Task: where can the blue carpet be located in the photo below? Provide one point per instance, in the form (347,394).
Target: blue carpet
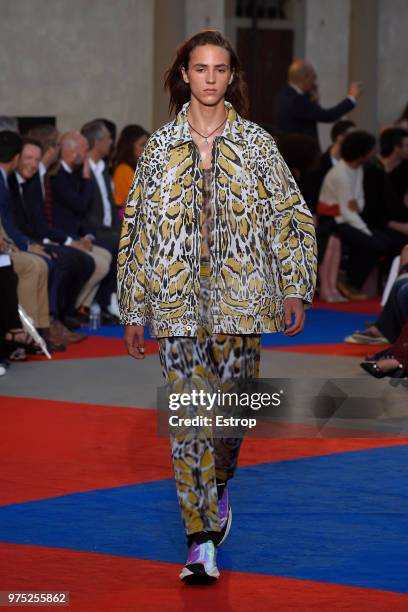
(322,327)
(341,519)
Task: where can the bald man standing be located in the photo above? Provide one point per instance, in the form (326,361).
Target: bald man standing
(298,110)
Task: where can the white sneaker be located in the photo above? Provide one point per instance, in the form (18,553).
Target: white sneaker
(200,567)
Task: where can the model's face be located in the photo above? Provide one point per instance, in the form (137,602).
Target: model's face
(208,74)
(29,161)
(138,146)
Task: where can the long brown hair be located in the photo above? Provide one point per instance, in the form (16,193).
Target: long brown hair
(124,149)
(236,93)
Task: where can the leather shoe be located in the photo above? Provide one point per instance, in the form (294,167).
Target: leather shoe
(62,335)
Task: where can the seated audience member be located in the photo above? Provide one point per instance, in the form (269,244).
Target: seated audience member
(342,197)
(329,244)
(102,219)
(66,274)
(131,143)
(112,129)
(313,180)
(32,271)
(41,184)
(72,190)
(32,287)
(300,152)
(50,140)
(14,341)
(389,324)
(392,362)
(386,187)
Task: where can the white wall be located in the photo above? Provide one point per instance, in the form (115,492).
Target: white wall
(327,47)
(392,59)
(77,60)
(204,15)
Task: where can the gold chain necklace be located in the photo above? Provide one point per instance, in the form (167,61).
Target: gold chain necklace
(205,138)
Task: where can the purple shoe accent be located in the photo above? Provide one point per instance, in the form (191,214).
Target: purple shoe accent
(194,554)
(225,513)
(223,508)
(201,564)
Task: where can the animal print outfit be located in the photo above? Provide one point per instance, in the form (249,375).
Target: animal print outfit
(207,362)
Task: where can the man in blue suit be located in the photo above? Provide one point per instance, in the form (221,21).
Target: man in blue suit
(22,218)
(298,109)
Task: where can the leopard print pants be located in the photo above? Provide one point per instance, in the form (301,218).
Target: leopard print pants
(208,362)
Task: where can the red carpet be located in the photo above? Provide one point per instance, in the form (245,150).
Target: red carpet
(50,448)
(371,306)
(336,350)
(96,346)
(104,583)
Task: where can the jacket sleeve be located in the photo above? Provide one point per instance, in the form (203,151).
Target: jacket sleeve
(131,257)
(290,228)
(43,230)
(303,108)
(341,188)
(9,222)
(75,200)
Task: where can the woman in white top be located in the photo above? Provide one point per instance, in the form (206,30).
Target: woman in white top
(342,198)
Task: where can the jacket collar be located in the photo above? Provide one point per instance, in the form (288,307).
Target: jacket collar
(233,129)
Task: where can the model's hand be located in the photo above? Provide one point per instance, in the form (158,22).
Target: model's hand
(355,89)
(294,316)
(134,340)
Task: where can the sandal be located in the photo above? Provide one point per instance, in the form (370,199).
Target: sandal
(27,343)
(374,370)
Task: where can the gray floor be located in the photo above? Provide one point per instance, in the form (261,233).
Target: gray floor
(121,381)
(362,402)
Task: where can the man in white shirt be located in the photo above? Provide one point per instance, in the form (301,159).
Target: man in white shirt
(102,218)
(342,197)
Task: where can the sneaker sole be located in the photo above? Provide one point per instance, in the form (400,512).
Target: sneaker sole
(229,523)
(199,575)
(365,340)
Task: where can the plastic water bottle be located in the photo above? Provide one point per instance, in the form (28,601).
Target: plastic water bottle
(94,316)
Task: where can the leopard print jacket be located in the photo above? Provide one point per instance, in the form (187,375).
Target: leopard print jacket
(264,247)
